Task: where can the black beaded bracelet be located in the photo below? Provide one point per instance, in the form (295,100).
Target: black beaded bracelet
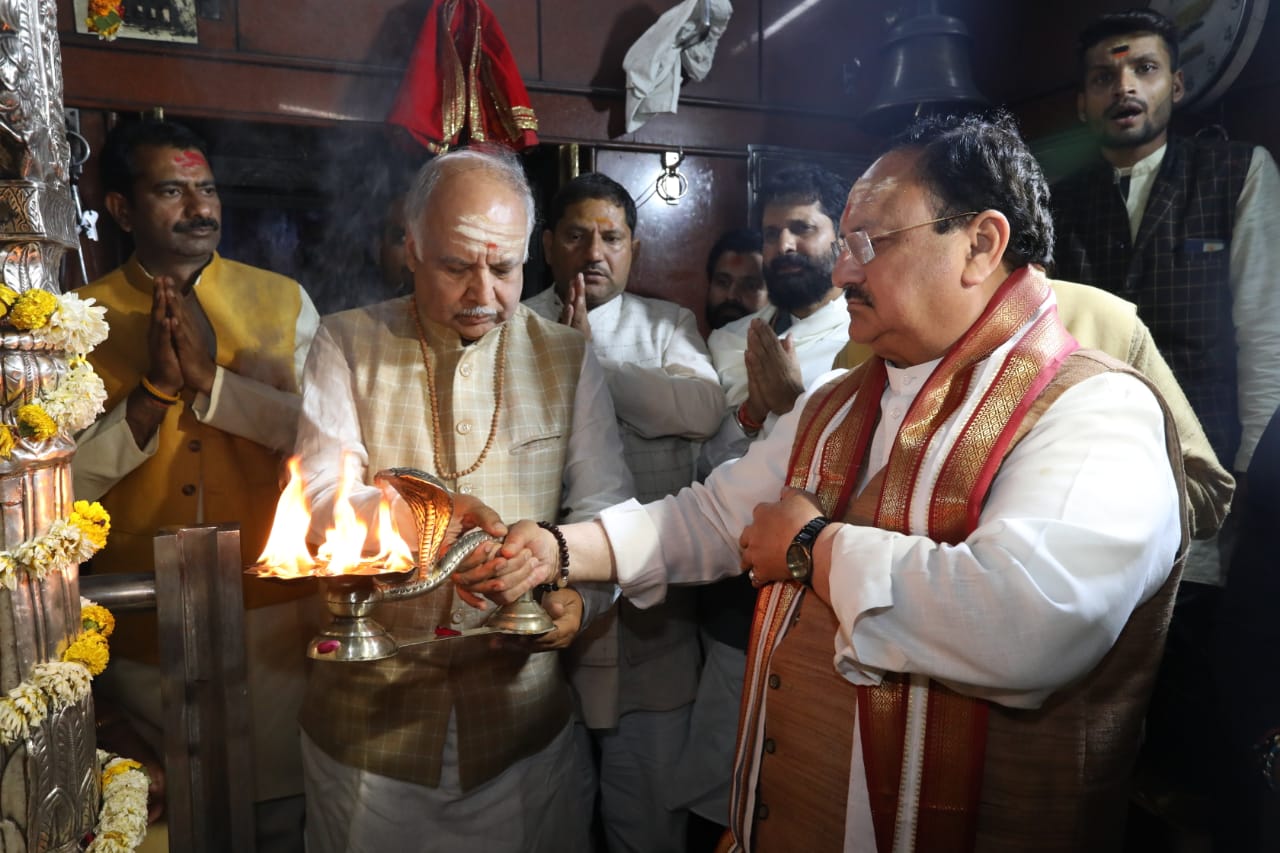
(563,580)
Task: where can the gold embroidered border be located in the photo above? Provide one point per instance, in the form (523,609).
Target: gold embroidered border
(949,515)
(475,120)
(453,92)
(945,390)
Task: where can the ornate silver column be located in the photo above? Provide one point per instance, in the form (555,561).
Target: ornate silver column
(48,779)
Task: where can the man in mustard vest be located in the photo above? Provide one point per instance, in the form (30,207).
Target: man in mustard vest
(966,548)
(202,371)
(456,745)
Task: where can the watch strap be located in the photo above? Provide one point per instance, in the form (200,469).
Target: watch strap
(809,533)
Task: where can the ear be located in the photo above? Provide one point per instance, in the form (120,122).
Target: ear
(1179,86)
(635,251)
(1080,107)
(410,251)
(118,206)
(547,237)
(988,239)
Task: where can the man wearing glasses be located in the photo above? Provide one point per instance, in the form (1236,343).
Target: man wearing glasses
(966,548)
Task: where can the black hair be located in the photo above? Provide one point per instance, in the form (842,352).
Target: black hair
(976,163)
(738,240)
(119,152)
(806,184)
(592,185)
(1128,22)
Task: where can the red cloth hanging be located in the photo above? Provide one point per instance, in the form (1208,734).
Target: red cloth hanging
(463,79)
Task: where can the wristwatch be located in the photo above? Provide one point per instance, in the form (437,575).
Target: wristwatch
(800,551)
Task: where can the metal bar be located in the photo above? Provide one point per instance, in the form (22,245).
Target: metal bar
(205,694)
(121,592)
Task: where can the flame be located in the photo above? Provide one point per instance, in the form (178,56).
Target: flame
(286,554)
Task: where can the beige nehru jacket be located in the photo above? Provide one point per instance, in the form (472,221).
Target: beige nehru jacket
(390,716)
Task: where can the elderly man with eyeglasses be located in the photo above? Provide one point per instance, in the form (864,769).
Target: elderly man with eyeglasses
(966,548)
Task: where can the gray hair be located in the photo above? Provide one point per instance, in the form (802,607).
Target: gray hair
(497,162)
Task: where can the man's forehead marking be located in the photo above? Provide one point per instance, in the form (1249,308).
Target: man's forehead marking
(494,236)
(870,191)
(1119,50)
(189,159)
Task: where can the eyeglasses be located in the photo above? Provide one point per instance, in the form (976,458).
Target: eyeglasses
(859,246)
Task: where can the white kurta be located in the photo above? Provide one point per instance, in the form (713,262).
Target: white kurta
(664,388)
(361,810)
(637,674)
(1081,525)
(818,339)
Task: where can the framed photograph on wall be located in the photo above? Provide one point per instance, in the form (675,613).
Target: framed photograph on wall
(156,20)
(763,161)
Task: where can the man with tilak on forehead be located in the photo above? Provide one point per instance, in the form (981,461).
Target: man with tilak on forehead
(965,549)
(446,746)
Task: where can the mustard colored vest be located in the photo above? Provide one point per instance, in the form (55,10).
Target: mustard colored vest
(254,315)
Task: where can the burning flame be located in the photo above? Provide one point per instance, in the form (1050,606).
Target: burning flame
(286,554)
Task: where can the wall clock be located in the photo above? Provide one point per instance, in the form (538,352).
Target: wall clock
(1216,40)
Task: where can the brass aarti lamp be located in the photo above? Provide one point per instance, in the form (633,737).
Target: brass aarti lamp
(353,634)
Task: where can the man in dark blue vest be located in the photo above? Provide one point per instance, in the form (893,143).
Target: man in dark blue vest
(1189,230)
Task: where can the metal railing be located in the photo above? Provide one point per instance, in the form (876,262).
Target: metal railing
(196,593)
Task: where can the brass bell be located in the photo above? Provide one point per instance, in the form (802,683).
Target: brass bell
(926,65)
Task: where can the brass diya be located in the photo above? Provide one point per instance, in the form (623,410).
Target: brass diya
(354,635)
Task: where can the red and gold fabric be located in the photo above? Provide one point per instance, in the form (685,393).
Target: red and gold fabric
(922,744)
(462,83)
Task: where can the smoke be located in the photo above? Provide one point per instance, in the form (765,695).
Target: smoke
(308,203)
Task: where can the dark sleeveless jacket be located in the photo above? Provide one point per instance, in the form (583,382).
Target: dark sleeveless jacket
(1177,271)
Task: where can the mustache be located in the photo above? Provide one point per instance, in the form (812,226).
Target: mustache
(726,312)
(189,225)
(854,293)
(803,262)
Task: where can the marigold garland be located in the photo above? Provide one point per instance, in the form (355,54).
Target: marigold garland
(95,617)
(34,422)
(55,685)
(72,406)
(75,326)
(94,523)
(63,321)
(8,296)
(122,823)
(90,649)
(33,309)
(65,544)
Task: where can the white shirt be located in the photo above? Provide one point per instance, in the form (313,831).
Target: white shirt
(818,339)
(664,389)
(1080,526)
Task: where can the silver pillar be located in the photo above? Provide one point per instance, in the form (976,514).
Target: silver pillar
(49,781)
